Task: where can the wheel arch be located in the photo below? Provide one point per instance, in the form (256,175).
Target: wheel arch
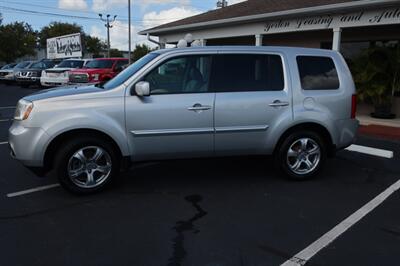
(311,126)
(52,147)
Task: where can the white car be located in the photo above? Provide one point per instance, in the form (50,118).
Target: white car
(59,75)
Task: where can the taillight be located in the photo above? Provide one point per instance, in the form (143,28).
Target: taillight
(353,106)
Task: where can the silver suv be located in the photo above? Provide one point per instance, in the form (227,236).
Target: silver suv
(296,104)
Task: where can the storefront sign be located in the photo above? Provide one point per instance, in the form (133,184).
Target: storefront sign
(64,46)
(358,19)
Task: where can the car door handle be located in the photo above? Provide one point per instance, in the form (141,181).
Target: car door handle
(278,103)
(199,107)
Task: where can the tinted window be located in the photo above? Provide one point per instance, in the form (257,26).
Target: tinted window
(38,65)
(250,72)
(48,64)
(71,64)
(317,73)
(22,64)
(188,74)
(100,64)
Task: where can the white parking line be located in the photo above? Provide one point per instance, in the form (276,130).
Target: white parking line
(31,190)
(370,151)
(7,107)
(5,120)
(3,143)
(306,254)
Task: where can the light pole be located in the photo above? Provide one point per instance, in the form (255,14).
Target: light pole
(108,26)
(129,31)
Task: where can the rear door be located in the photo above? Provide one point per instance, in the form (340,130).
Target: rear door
(251,97)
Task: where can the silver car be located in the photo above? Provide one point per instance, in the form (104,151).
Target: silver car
(294,103)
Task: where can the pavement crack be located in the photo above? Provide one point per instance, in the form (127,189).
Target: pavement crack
(179,252)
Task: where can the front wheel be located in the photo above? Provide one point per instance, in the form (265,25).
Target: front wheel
(301,155)
(86,165)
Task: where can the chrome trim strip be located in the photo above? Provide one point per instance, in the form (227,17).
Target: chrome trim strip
(170,132)
(241,129)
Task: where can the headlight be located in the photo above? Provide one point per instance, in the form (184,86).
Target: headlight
(95,77)
(66,74)
(23,110)
(43,73)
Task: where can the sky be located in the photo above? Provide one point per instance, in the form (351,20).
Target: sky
(144,14)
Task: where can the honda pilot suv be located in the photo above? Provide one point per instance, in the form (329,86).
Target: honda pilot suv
(296,104)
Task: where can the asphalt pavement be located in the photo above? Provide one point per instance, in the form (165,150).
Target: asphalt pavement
(203,212)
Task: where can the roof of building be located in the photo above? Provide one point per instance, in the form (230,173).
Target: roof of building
(251,8)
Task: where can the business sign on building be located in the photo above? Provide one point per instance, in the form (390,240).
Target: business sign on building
(64,46)
(356,19)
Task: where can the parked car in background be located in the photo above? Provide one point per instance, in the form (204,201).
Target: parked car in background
(10,77)
(31,75)
(98,70)
(59,75)
(6,72)
(296,104)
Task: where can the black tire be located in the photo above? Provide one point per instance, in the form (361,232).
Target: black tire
(64,154)
(283,161)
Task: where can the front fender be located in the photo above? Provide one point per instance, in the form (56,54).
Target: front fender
(100,123)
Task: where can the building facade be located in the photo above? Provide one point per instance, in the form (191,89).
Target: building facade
(344,25)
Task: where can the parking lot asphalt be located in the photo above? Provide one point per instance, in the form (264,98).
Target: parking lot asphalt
(211,212)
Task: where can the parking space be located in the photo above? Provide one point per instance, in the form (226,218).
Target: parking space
(214,212)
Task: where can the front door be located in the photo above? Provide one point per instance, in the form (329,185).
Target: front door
(176,120)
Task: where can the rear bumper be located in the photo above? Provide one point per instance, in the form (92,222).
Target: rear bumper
(347,129)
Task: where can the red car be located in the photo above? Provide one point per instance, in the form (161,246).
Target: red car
(98,70)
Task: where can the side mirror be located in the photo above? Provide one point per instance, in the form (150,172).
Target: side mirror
(142,88)
(118,69)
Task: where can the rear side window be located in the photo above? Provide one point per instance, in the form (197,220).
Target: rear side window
(247,72)
(317,73)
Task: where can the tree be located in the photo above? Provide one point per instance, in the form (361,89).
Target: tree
(55,29)
(94,45)
(140,51)
(17,40)
(116,53)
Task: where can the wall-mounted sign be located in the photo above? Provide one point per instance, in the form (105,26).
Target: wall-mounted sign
(358,19)
(64,46)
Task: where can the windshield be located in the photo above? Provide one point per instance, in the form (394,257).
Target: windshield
(130,71)
(100,64)
(22,65)
(37,65)
(71,64)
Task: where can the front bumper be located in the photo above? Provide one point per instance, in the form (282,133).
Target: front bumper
(50,82)
(27,145)
(28,80)
(7,78)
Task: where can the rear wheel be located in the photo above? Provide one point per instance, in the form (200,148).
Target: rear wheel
(86,165)
(301,155)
